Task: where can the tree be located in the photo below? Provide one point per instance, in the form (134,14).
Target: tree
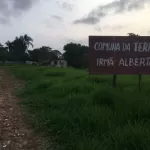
(57,53)
(18,50)
(45,49)
(1,45)
(43,54)
(19,47)
(28,40)
(76,55)
(9,46)
(3,53)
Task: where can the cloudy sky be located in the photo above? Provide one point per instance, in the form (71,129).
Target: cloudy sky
(56,22)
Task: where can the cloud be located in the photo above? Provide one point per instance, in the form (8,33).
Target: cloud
(87,20)
(82,41)
(91,19)
(113,27)
(109,27)
(57,17)
(13,8)
(4,21)
(97,28)
(22,5)
(115,7)
(4,11)
(66,4)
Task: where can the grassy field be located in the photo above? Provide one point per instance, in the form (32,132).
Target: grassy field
(82,112)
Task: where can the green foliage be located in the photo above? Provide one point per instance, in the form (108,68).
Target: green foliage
(44,53)
(54,74)
(84,112)
(18,48)
(3,53)
(76,55)
(129,137)
(104,97)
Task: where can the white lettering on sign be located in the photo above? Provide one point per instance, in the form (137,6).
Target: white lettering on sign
(142,62)
(141,47)
(108,46)
(111,46)
(129,62)
(121,62)
(105,62)
(126,47)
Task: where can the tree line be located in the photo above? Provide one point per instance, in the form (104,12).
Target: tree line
(75,54)
(18,50)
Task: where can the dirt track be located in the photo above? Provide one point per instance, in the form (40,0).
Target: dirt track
(15,134)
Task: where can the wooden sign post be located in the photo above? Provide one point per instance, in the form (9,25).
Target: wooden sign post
(139,81)
(127,55)
(114,80)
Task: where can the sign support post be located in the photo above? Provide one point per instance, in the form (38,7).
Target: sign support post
(114,80)
(139,81)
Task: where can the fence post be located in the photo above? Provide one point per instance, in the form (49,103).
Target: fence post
(114,80)
(139,81)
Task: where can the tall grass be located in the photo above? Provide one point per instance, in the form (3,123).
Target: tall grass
(84,112)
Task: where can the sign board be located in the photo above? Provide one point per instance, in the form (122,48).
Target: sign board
(119,55)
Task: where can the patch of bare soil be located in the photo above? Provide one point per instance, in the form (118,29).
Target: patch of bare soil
(15,134)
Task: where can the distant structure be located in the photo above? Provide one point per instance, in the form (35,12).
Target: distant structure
(59,63)
(29,62)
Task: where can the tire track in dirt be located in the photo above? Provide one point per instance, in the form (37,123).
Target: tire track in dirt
(15,134)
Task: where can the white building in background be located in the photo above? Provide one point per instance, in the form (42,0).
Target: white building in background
(29,62)
(59,63)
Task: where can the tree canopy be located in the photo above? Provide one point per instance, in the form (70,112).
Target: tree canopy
(75,54)
(18,50)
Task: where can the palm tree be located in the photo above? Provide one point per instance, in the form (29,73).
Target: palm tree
(28,40)
(9,46)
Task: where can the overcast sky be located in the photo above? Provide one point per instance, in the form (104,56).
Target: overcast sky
(55,22)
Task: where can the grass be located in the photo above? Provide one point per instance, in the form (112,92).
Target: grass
(83,112)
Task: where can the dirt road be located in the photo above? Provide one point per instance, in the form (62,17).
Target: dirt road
(15,134)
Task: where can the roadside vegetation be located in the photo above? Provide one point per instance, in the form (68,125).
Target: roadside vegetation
(82,112)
